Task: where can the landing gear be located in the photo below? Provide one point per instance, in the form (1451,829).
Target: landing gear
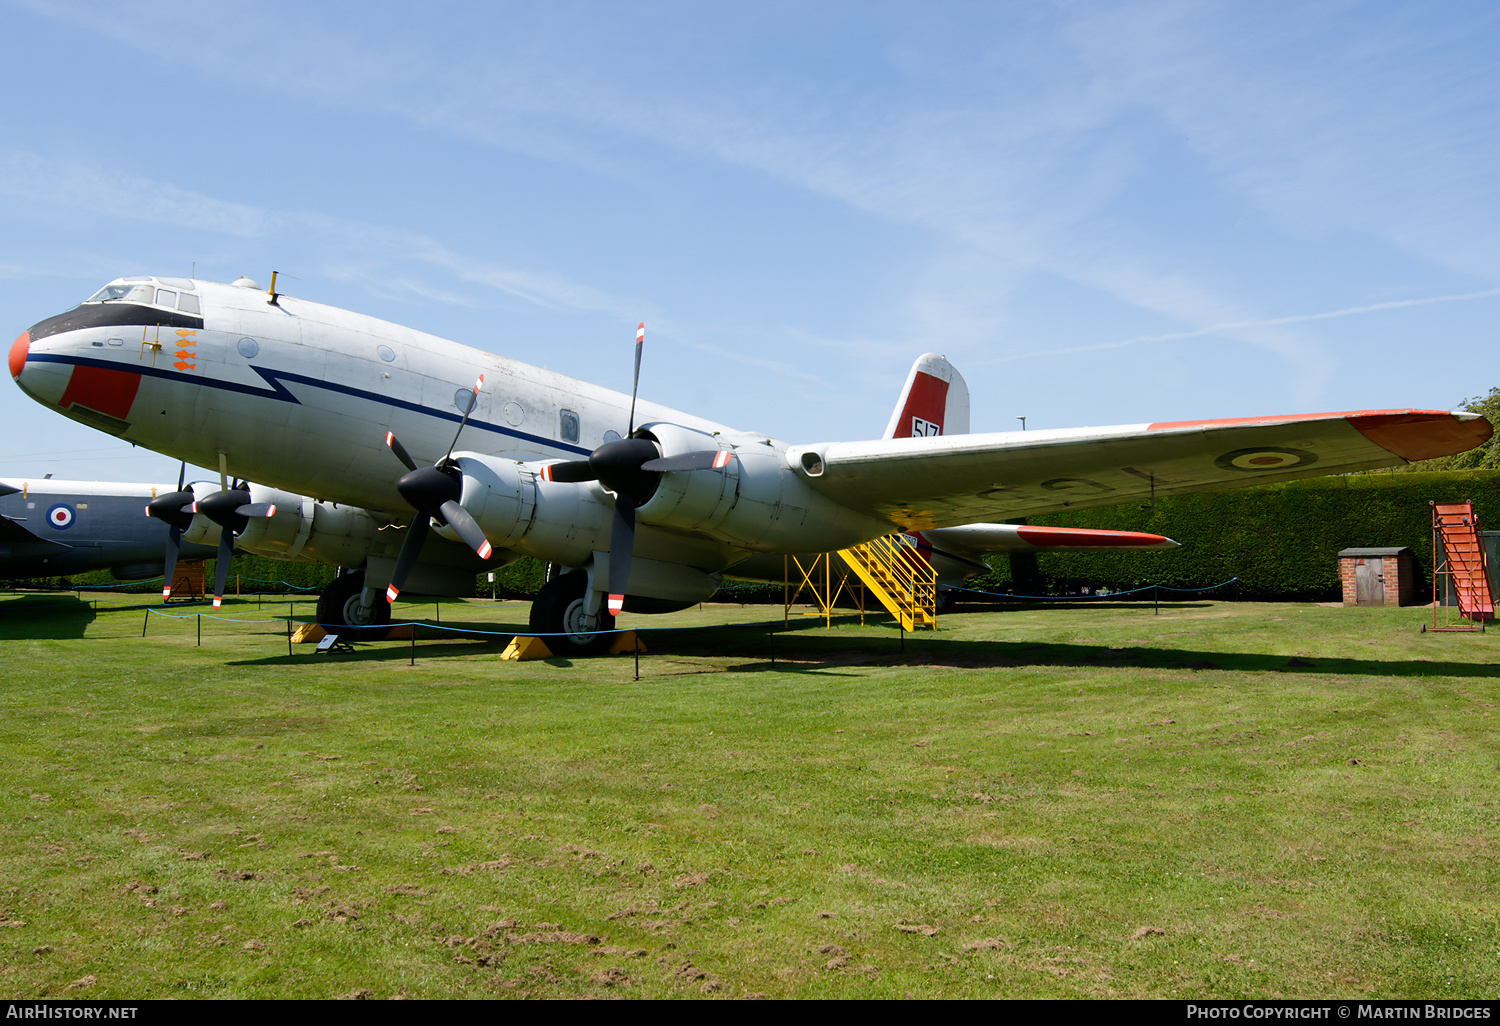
(560,611)
(341,610)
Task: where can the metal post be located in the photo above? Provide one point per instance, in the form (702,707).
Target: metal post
(414,644)
(635,643)
(289,630)
(1156,598)
(144,622)
(199,618)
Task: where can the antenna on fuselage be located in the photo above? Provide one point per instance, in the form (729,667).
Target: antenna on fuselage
(274,295)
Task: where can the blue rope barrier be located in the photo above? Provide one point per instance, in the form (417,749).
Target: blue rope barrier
(1076,598)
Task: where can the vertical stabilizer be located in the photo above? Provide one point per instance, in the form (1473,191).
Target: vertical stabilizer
(934,401)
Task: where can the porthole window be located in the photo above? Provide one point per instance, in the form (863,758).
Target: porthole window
(386,353)
(116,341)
(464,399)
(611,436)
(248,347)
(569,426)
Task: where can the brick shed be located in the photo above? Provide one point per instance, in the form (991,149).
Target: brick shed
(1377,576)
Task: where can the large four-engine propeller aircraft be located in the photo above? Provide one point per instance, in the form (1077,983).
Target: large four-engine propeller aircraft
(329,406)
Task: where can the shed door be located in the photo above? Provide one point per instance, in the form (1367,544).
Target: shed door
(1369,582)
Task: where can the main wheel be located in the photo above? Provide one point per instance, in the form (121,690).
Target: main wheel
(559,612)
(340,610)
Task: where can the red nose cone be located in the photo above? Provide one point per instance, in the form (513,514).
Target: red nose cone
(18,350)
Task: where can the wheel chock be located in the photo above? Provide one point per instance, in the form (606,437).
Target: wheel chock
(523,647)
(308,633)
(627,642)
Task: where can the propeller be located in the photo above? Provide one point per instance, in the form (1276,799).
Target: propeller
(434,493)
(175,510)
(631,468)
(231,509)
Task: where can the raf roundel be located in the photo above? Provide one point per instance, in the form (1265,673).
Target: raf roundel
(60,516)
(1265,459)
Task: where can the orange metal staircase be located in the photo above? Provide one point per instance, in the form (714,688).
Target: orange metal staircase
(1456,526)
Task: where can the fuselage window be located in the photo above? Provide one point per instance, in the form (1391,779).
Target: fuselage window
(569,426)
(117,341)
(464,399)
(386,353)
(188,304)
(166,298)
(248,347)
(611,435)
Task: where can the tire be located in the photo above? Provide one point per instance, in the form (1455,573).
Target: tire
(557,612)
(340,611)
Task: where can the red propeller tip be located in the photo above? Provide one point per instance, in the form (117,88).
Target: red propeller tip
(217,600)
(272,511)
(616,603)
(722,460)
(388,436)
(547,472)
(166,593)
(484,553)
(391,592)
(640,333)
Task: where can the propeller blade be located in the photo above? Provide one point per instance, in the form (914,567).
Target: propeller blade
(221,564)
(705,459)
(174,542)
(257,509)
(570,472)
(635,384)
(458,518)
(473,402)
(181,474)
(416,537)
(621,542)
(400,450)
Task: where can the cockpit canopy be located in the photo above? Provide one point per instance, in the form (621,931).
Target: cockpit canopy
(162,293)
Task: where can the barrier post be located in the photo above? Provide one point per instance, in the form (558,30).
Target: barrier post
(199,618)
(144,622)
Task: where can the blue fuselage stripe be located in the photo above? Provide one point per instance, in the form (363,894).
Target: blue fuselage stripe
(280,392)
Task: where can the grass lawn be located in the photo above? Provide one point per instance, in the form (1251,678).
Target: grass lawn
(1224,800)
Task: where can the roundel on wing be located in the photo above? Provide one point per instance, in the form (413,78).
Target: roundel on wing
(1251,460)
(60,516)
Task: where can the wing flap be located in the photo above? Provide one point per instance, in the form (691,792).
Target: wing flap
(920,483)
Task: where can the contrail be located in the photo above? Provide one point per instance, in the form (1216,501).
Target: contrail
(1268,322)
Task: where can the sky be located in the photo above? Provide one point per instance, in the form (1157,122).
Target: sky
(1100,212)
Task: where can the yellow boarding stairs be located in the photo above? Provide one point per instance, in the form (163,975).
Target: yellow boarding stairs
(890,569)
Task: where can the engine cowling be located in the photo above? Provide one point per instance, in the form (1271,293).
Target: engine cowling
(304,529)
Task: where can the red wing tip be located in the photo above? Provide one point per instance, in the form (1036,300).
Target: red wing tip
(1054,537)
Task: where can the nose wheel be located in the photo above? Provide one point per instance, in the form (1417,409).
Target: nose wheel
(560,611)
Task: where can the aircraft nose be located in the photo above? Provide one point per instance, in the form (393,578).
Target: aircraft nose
(18,350)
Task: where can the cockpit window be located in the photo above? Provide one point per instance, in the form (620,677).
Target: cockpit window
(119,292)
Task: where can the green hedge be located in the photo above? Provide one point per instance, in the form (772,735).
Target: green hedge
(1281,541)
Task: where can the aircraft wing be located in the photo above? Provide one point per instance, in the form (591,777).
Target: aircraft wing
(16,541)
(920,483)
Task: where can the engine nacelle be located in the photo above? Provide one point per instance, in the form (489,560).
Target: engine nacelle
(689,500)
(554,521)
(305,529)
(758,501)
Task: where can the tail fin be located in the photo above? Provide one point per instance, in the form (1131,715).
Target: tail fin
(935,401)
